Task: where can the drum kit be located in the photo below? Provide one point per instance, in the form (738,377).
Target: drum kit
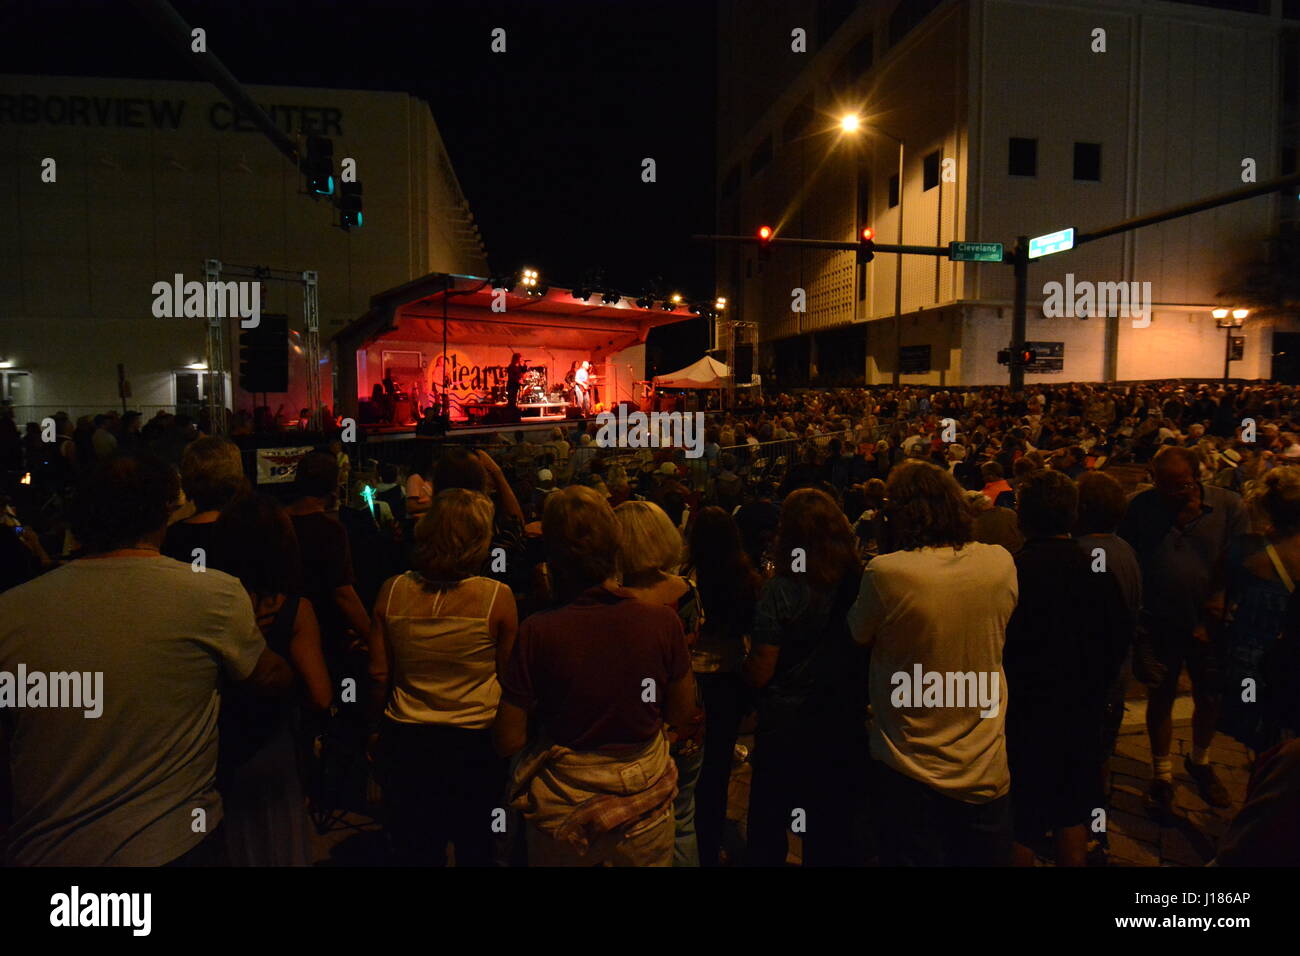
(532,387)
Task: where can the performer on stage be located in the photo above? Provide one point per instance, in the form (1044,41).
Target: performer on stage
(514,374)
(582,388)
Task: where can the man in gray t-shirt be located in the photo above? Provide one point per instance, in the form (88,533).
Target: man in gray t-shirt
(128,777)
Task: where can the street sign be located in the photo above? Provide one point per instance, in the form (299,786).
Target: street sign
(1052,242)
(975,251)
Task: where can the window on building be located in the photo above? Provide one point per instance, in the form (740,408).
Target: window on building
(1241,6)
(15,387)
(732,182)
(761,156)
(1087,162)
(1022,157)
(798,121)
(831,15)
(856,64)
(930,171)
(893,190)
(907,15)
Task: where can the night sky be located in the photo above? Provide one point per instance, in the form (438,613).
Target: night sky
(546,139)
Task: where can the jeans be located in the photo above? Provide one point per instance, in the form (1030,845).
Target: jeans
(649,843)
(920,826)
(686,851)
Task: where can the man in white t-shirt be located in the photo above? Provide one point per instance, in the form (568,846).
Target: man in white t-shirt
(935,616)
(126,775)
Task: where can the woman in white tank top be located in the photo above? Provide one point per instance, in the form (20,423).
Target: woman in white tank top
(441,633)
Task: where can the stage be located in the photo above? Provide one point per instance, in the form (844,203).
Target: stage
(459,344)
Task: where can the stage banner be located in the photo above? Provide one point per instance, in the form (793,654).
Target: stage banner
(279,465)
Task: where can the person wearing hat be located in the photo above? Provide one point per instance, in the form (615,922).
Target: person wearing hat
(545,487)
(1228,469)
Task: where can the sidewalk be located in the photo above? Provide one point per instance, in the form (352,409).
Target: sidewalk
(1136,839)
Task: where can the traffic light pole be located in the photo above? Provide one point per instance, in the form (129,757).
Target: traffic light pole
(1020,263)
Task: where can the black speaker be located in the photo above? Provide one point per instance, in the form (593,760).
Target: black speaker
(264,355)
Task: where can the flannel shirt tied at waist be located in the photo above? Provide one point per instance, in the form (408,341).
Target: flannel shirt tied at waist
(578,796)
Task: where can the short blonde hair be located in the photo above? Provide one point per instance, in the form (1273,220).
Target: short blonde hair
(650,540)
(453,537)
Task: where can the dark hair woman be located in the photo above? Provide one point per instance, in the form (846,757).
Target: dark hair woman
(728,587)
(812,680)
(257,766)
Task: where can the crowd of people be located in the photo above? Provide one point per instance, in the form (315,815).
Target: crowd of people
(928,606)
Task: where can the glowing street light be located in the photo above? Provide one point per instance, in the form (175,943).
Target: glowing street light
(720,304)
(850,122)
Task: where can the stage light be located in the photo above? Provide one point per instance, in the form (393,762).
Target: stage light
(582,295)
(667,306)
(850,122)
(646,302)
(610,298)
(677,298)
(503,282)
(720,303)
(528,278)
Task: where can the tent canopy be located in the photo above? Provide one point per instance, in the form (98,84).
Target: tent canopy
(708,372)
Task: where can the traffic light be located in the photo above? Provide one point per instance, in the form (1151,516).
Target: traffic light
(350,205)
(1024,357)
(765,234)
(866,245)
(318,166)
(264,355)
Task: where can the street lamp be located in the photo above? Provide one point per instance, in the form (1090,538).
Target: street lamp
(1228,319)
(851,123)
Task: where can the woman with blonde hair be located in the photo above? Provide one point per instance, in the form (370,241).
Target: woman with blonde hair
(1263,568)
(650,554)
(441,635)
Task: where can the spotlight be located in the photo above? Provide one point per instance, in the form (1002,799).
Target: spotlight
(528,278)
(677,298)
(610,298)
(582,295)
(503,282)
(667,305)
(720,304)
(646,302)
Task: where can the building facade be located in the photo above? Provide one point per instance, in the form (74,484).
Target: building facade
(1013,118)
(150,180)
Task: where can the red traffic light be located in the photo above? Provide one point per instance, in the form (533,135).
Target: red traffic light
(868,233)
(765,233)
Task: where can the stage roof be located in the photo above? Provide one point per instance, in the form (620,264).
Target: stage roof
(554,320)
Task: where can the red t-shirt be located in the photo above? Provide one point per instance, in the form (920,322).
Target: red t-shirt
(581,669)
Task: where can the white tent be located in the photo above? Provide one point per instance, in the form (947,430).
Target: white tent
(708,372)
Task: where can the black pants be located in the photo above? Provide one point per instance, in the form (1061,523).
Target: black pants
(441,784)
(818,771)
(726,701)
(919,826)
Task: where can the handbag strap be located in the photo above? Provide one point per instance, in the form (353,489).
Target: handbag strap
(1279,567)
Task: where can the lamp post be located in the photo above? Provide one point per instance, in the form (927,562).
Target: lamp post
(1228,319)
(851,123)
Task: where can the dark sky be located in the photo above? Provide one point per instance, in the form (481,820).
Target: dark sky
(547,139)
